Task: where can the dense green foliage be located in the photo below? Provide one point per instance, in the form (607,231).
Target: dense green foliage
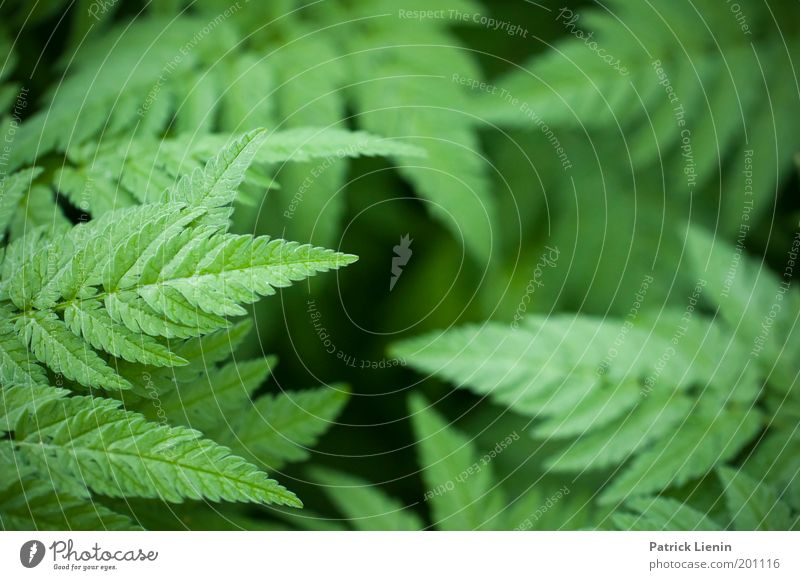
(574,305)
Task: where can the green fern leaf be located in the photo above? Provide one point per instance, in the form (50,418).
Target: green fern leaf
(15,401)
(618,387)
(118,453)
(681,95)
(12,190)
(366,506)
(16,364)
(89,320)
(462,493)
(238,107)
(227,270)
(101,250)
(210,403)
(652,419)
(22,495)
(710,435)
(309,94)
(752,504)
(128,309)
(662,514)
(38,209)
(550,364)
(308,143)
(206,351)
(750,299)
(52,343)
(280,429)
(215,185)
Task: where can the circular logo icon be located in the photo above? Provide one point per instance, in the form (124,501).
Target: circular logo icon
(31,553)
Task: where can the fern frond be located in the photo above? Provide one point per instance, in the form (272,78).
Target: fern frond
(753,505)
(662,514)
(154,270)
(211,403)
(16,401)
(366,506)
(618,388)
(52,343)
(310,92)
(224,271)
(207,350)
(711,435)
(776,459)
(137,300)
(215,185)
(308,143)
(549,364)
(653,418)
(280,429)
(17,367)
(118,453)
(461,491)
(138,316)
(29,503)
(12,190)
(680,94)
(750,299)
(88,319)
